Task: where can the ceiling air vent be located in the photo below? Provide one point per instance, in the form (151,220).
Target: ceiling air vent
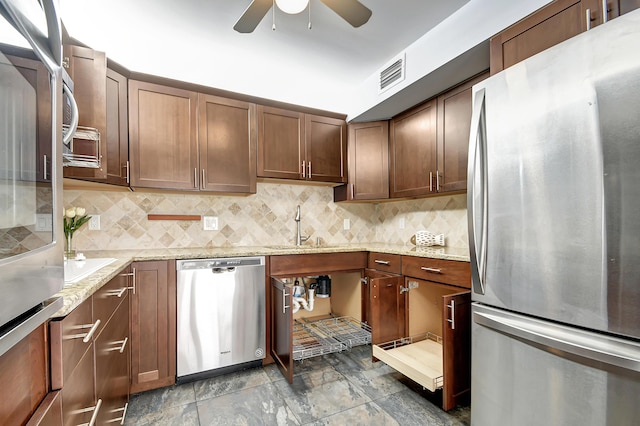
(392,73)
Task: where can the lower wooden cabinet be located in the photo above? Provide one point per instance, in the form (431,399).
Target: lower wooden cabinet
(23,375)
(90,358)
(49,413)
(153,325)
(386,306)
(435,350)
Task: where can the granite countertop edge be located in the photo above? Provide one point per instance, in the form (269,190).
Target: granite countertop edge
(75,294)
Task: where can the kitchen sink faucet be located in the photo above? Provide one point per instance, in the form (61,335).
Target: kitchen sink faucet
(299,237)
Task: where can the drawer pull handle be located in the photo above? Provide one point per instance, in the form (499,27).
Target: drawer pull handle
(432,270)
(284,302)
(124,412)
(118,293)
(92,331)
(382,262)
(131,274)
(452,306)
(94,416)
(124,344)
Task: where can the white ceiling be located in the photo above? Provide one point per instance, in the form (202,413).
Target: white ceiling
(325,67)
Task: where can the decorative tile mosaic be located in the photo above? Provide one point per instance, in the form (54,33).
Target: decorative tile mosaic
(266,218)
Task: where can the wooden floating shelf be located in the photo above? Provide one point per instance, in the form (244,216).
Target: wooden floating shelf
(173,217)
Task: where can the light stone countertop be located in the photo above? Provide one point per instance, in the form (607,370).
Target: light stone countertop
(75,294)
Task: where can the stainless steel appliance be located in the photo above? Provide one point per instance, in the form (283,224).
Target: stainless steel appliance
(221,315)
(554,226)
(31,237)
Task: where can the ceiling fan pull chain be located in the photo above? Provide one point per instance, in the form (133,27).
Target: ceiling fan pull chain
(273,15)
(309,14)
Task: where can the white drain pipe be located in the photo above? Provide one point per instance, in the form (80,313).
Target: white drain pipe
(307,303)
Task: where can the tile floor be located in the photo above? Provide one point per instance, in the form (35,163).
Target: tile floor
(337,389)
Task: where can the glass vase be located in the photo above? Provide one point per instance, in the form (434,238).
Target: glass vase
(69,251)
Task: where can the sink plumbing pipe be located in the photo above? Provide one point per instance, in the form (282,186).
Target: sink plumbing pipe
(306,304)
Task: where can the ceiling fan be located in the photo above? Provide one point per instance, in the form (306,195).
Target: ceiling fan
(351,11)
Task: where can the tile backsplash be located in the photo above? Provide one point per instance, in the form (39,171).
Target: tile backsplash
(266,218)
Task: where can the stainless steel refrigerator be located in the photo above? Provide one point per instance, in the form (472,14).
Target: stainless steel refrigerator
(554,229)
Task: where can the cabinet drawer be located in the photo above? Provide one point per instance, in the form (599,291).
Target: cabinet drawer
(322,263)
(78,395)
(68,343)
(109,297)
(438,270)
(385,262)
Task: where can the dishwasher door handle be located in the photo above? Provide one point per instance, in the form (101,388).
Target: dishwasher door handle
(223,270)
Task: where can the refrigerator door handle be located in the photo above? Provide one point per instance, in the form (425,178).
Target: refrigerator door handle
(477,193)
(567,342)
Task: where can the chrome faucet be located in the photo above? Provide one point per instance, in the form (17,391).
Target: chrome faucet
(299,237)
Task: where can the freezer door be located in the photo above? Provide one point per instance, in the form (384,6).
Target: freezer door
(530,372)
(554,194)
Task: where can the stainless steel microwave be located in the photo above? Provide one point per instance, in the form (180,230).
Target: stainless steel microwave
(31,105)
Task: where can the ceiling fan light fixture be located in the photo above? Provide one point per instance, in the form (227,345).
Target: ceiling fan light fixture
(292,7)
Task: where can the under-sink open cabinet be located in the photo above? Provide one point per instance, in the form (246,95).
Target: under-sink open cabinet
(436,350)
(334,325)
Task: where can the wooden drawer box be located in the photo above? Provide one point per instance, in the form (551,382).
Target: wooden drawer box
(438,270)
(322,263)
(109,297)
(391,263)
(67,342)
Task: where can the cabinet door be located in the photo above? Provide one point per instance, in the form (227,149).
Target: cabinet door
(49,413)
(552,24)
(282,327)
(23,374)
(369,160)
(162,137)
(78,393)
(38,76)
(387,304)
(88,69)
(326,148)
(413,151)
(454,125)
(112,366)
(153,325)
(456,347)
(280,143)
(227,138)
(117,139)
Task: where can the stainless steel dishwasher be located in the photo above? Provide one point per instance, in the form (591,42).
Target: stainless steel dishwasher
(221,315)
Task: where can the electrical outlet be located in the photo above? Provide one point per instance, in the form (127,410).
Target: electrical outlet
(94,222)
(346,224)
(44,223)
(210,223)
(401,223)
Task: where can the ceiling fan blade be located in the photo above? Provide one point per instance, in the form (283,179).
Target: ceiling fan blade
(351,11)
(252,16)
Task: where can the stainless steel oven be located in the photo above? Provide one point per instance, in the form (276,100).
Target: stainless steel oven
(31,237)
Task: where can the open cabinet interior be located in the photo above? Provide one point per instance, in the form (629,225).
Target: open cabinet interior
(333,325)
(438,324)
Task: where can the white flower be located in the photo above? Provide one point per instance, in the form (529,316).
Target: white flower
(70,213)
(80,211)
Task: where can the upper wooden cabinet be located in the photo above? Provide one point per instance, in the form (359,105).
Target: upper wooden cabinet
(454,125)
(163,141)
(293,145)
(117,138)
(88,70)
(550,25)
(325,148)
(227,138)
(169,150)
(38,77)
(412,137)
(368,150)
(429,144)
